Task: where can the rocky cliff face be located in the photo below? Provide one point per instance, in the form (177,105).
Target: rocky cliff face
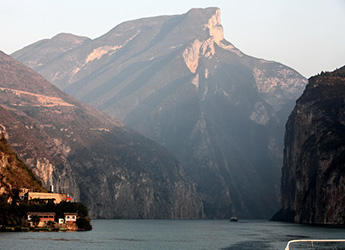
(176,80)
(313,179)
(116,172)
(14,174)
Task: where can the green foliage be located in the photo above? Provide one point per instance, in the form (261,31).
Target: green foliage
(4,147)
(15,215)
(336,73)
(16,169)
(3,198)
(50,223)
(23,222)
(31,111)
(84,223)
(71,207)
(35,219)
(14,194)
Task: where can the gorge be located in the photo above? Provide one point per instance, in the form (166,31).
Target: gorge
(179,82)
(94,158)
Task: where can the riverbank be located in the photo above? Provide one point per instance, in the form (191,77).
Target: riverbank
(34,229)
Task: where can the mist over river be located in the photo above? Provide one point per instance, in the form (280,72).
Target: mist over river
(173,234)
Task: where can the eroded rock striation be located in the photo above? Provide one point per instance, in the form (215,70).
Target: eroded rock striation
(81,151)
(313,177)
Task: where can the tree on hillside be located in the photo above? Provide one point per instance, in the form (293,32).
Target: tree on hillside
(35,220)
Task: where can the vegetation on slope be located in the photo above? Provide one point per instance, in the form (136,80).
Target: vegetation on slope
(14,174)
(14,215)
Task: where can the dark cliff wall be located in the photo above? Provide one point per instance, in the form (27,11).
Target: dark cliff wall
(313,175)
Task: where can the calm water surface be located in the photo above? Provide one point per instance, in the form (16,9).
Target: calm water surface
(171,234)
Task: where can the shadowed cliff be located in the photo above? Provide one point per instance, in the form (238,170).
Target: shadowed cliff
(313,177)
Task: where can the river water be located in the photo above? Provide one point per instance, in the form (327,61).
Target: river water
(173,234)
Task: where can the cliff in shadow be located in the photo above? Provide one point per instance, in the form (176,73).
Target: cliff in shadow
(313,175)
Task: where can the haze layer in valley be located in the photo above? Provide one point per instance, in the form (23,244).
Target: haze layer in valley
(177,81)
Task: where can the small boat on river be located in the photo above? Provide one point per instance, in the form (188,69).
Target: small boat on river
(233,218)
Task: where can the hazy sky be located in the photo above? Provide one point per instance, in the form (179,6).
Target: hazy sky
(307,35)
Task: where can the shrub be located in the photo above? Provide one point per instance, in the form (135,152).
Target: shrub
(35,220)
(84,224)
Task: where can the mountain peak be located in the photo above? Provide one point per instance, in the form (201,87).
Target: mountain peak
(212,21)
(205,13)
(67,37)
(179,82)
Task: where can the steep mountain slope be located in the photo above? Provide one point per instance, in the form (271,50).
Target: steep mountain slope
(96,159)
(39,54)
(313,180)
(176,80)
(14,174)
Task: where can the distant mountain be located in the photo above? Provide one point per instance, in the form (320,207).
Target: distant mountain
(313,179)
(47,50)
(115,171)
(176,80)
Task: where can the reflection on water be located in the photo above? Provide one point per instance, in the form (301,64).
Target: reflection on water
(175,234)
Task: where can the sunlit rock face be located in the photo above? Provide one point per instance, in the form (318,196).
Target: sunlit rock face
(313,179)
(176,80)
(14,174)
(89,155)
